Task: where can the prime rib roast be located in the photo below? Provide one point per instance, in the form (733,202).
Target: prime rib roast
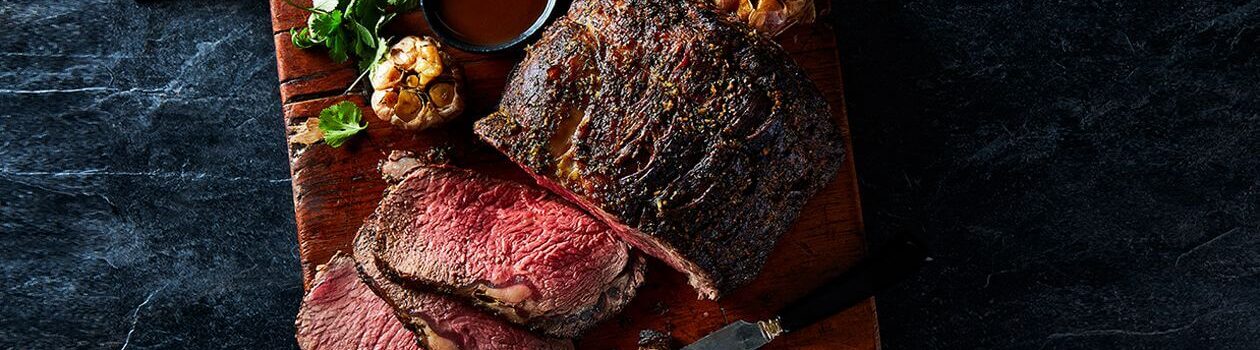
(340,312)
(668,126)
(514,250)
(695,138)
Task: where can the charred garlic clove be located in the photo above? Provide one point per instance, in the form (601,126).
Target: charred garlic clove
(383,102)
(417,86)
(428,63)
(407,106)
(446,98)
(386,75)
(403,53)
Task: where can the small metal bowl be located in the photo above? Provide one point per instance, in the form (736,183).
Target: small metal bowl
(448,36)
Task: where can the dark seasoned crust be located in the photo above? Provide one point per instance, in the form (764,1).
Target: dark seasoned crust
(696,138)
(611,301)
(650,339)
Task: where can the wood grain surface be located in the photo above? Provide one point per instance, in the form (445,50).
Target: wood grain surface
(335,189)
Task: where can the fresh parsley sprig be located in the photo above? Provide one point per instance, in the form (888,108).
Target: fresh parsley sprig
(349,28)
(339,122)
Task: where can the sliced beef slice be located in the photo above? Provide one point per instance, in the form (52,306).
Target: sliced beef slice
(511,249)
(697,139)
(442,323)
(341,313)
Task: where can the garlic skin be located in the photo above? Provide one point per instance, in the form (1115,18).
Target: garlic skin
(417,86)
(772,17)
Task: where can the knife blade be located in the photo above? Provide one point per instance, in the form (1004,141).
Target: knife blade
(896,261)
(741,335)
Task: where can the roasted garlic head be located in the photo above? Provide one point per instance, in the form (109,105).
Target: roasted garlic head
(772,17)
(417,86)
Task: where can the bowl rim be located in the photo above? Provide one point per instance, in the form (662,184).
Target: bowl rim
(447,35)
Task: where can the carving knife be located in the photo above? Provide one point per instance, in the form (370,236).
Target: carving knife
(898,260)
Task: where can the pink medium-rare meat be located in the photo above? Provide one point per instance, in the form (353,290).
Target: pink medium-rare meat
(508,248)
(440,322)
(341,313)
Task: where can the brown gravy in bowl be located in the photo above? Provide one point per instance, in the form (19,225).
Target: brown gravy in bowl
(489,22)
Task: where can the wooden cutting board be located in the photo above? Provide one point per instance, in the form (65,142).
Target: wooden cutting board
(335,189)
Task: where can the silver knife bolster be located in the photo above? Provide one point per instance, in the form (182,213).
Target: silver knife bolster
(770,328)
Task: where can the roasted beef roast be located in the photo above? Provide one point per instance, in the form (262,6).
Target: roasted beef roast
(341,313)
(697,139)
(511,249)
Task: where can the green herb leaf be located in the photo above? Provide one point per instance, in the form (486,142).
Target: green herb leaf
(364,35)
(368,63)
(301,38)
(364,46)
(324,5)
(351,9)
(402,5)
(338,46)
(323,25)
(339,122)
(364,53)
(365,11)
(349,28)
(382,50)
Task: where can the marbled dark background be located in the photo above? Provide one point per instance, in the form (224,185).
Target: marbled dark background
(1086,172)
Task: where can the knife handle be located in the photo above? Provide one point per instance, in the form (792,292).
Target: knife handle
(897,260)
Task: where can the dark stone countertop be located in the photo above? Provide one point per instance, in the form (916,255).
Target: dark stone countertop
(1087,174)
